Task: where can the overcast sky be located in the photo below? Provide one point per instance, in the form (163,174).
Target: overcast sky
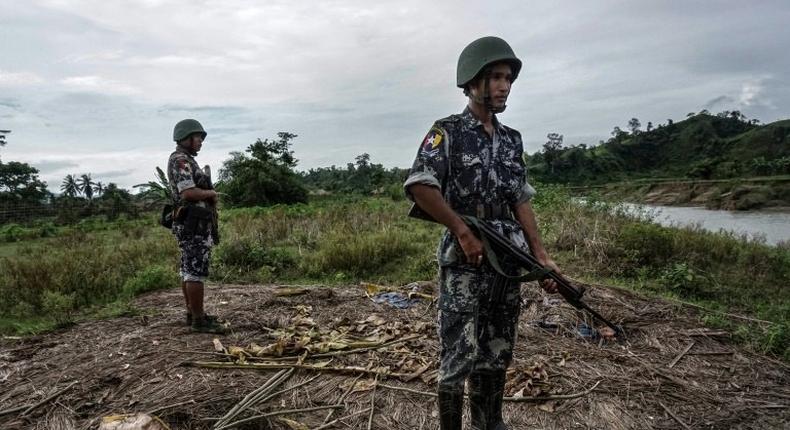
(96,86)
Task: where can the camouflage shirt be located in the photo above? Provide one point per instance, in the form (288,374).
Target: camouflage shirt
(472,168)
(184,173)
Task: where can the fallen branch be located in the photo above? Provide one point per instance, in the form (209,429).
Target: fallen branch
(47,399)
(272,414)
(343,398)
(684,352)
(153,411)
(712,353)
(335,353)
(273,395)
(373,402)
(333,422)
(12,410)
(253,397)
(298,357)
(509,398)
(671,414)
(269,366)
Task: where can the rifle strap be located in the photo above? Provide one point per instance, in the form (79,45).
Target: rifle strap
(535,274)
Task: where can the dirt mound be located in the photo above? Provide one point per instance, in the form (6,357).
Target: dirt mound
(350,353)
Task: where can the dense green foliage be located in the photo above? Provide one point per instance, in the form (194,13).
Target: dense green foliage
(19,182)
(360,177)
(264,177)
(703,146)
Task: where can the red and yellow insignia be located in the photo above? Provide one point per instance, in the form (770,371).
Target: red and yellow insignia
(432,140)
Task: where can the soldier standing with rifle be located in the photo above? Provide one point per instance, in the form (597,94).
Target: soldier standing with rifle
(194,220)
(471,164)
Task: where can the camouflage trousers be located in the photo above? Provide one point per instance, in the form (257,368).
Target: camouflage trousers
(195,254)
(478,318)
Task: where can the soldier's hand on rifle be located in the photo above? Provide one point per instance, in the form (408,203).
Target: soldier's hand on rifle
(213,198)
(472,247)
(548,284)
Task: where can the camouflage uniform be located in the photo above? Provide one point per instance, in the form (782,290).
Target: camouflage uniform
(477,174)
(184,173)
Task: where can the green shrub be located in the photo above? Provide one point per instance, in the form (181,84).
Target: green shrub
(359,254)
(248,255)
(58,306)
(12,232)
(395,192)
(644,244)
(150,279)
(47,229)
(685,281)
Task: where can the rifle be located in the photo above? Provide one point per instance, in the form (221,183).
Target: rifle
(494,241)
(214,212)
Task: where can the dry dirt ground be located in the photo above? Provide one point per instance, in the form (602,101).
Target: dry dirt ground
(668,372)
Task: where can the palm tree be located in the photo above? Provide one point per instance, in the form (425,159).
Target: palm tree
(86,185)
(69,186)
(156,192)
(99,188)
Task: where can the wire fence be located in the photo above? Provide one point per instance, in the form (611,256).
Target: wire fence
(24,213)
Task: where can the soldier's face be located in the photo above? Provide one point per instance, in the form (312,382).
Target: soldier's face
(197,142)
(499,82)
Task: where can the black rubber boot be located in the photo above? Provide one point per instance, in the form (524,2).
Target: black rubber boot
(486,389)
(479,404)
(451,406)
(498,380)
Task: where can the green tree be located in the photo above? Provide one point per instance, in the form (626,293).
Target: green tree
(634,126)
(264,177)
(115,201)
(552,150)
(19,182)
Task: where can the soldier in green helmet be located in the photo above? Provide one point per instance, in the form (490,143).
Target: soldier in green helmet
(194,222)
(472,164)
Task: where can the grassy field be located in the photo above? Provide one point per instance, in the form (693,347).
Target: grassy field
(51,275)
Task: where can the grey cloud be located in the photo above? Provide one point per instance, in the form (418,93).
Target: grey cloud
(54,166)
(385,74)
(10,103)
(220,110)
(111,174)
(719,102)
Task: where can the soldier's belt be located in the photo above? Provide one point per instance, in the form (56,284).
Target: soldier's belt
(490,212)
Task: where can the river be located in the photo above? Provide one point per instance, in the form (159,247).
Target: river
(774,227)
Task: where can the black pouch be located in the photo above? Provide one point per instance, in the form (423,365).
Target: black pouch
(166,218)
(198,221)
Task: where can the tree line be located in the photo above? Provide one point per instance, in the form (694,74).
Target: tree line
(703,146)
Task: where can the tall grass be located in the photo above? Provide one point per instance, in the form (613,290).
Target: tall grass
(720,271)
(49,281)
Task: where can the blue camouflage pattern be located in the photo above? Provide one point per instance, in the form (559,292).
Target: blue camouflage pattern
(183,173)
(478,308)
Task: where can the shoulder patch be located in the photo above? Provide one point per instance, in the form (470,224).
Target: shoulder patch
(432,141)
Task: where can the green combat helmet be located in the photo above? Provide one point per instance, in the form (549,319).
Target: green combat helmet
(482,52)
(185,127)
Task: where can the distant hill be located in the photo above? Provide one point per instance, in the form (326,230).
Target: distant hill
(703,146)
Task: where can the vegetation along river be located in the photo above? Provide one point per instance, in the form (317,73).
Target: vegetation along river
(773,226)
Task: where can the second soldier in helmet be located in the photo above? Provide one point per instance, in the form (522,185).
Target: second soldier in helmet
(194,224)
(471,164)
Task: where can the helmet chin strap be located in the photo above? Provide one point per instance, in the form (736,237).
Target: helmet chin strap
(486,99)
